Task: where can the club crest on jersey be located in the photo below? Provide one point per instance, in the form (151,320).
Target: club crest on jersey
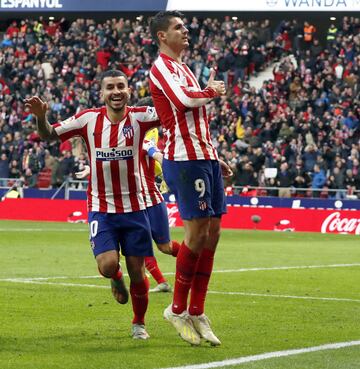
(128,131)
(202,205)
(114,153)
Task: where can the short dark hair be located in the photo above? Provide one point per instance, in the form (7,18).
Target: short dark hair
(112,73)
(161,22)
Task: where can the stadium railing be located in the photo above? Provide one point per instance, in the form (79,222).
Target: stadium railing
(324,192)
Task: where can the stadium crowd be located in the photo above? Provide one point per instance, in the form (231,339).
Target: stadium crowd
(304,121)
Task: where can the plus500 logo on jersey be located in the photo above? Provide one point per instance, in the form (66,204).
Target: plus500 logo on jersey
(114,153)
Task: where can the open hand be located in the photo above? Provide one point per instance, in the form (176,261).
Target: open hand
(84,173)
(37,106)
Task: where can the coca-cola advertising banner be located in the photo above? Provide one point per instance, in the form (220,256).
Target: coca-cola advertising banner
(238,217)
(284,219)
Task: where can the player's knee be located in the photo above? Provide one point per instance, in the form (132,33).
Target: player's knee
(200,238)
(108,267)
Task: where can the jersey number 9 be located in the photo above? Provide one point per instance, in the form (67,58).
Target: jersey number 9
(200,187)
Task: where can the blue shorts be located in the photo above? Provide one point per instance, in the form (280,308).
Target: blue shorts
(159,223)
(128,231)
(198,187)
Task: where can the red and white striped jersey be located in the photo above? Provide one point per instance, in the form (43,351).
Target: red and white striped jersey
(180,104)
(151,193)
(114,154)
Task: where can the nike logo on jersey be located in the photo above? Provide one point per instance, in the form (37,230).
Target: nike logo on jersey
(114,153)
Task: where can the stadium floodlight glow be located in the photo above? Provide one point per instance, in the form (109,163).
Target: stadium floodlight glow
(332,18)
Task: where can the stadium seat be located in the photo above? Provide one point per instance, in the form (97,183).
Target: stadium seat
(44,179)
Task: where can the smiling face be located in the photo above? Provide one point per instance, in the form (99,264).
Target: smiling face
(176,35)
(115,92)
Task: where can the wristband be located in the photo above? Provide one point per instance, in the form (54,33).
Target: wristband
(152,151)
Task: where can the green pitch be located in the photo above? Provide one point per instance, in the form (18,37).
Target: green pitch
(57,313)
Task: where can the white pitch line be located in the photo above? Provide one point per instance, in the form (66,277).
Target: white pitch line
(284,296)
(43,230)
(63,284)
(241,270)
(57,283)
(268,355)
(286,268)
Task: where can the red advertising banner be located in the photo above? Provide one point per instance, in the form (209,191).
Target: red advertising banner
(284,219)
(43,209)
(277,219)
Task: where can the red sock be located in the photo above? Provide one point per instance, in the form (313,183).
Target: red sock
(201,281)
(175,247)
(152,266)
(140,299)
(185,269)
(118,275)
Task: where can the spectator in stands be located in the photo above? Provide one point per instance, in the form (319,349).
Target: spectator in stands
(284,180)
(14,169)
(29,178)
(318,180)
(301,179)
(312,99)
(244,175)
(4,169)
(350,182)
(66,165)
(309,157)
(309,32)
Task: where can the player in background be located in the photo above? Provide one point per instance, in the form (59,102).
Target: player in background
(117,214)
(191,170)
(151,160)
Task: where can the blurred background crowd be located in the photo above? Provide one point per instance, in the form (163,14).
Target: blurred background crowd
(297,135)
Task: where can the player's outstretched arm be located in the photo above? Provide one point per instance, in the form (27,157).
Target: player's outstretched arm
(166,79)
(39,109)
(83,173)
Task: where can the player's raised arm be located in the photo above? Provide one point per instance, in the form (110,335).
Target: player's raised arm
(218,86)
(39,109)
(166,78)
(83,173)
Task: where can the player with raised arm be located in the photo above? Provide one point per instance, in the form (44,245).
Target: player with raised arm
(191,170)
(117,215)
(151,160)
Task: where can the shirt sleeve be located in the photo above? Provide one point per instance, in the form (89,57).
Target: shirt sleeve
(147,117)
(167,79)
(71,127)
